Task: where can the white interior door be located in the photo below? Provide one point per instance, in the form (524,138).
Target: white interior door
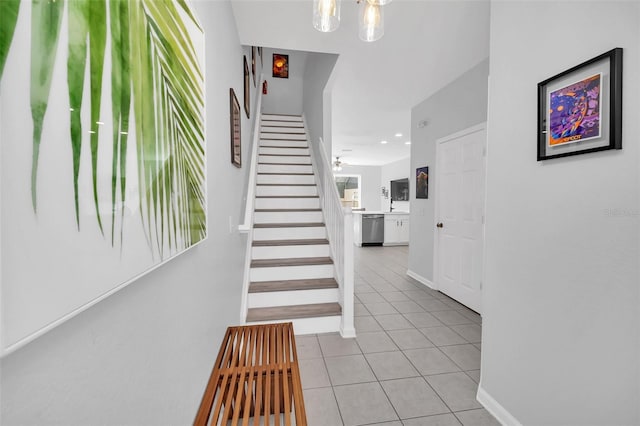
(460,200)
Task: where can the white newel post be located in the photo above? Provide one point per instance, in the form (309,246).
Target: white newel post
(348,328)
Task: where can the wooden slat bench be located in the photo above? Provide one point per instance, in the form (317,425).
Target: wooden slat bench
(256,375)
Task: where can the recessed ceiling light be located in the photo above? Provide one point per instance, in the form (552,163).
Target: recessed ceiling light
(398,135)
(383,142)
(407,143)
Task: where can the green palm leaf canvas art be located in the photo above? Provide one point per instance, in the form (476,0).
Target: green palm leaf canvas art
(155,75)
(103,141)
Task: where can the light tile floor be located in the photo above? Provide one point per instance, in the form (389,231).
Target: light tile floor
(415,362)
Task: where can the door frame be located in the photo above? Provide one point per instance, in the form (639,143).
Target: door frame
(436,216)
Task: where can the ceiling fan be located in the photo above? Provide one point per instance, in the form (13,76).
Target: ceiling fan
(337,164)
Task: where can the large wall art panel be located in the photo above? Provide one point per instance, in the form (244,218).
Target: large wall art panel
(102,151)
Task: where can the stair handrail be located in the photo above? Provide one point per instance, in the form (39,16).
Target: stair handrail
(247,226)
(339,225)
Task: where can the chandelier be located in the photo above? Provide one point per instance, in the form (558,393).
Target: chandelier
(326,17)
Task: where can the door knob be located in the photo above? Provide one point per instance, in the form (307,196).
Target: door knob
(439,225)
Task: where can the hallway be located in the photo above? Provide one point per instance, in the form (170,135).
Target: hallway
(416,360)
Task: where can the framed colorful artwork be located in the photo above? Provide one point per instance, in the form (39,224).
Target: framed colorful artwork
(247,89)
(422,182)
(580,109)
(280,65)
(253,64)
(234,129)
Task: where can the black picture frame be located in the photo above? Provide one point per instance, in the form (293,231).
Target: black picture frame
(280,65)
(585,105)
(253,64)
(247,89)
(235,127)
(422,182)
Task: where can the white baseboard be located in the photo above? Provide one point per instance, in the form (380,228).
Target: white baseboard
(421,279)
(496,410)
(348,333)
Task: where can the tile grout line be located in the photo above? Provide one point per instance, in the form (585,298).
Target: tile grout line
(333,391)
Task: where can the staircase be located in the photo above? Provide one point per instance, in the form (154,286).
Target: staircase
(292,274)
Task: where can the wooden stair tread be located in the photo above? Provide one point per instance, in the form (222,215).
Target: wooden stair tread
(294,261)
(283,133)
(292,285)
(286,210)
(284,155)
(285,174)
(290,225)
(283,147)
(288,196)
(285,164)
(271,114)
(300,242)
(282,139)
(294,311)
(285,184)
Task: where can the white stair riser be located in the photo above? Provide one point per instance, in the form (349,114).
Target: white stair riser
(282,136)
(274,168)
(288,298)
(282,117)
(317,325)
(286,179)
(282,127)
(303,144)
(287,203)
(273,159)
(289,252)
(286,190)
(287,217)
(282,273)
(265,234)
(284,151)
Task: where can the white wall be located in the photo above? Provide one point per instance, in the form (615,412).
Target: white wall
(561,304)
(317,98)
(457,106)
(369,183)
(285,94)
(393,171)
(143,355)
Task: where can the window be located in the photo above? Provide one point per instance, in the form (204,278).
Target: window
(349,190)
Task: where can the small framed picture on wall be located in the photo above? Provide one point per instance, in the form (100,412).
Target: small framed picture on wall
(247,89)
(280,65)
(422,182)
(235,127)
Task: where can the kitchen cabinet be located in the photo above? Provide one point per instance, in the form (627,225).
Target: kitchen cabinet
(396,229)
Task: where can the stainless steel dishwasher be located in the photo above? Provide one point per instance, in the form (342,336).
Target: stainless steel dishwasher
(372,229)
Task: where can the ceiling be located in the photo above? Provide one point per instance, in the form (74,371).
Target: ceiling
(427,44)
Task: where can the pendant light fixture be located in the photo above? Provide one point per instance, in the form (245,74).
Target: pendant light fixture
(371,26)
(326,15)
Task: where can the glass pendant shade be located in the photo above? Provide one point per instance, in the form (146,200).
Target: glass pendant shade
(379,2)
(326,15)
(371,22)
